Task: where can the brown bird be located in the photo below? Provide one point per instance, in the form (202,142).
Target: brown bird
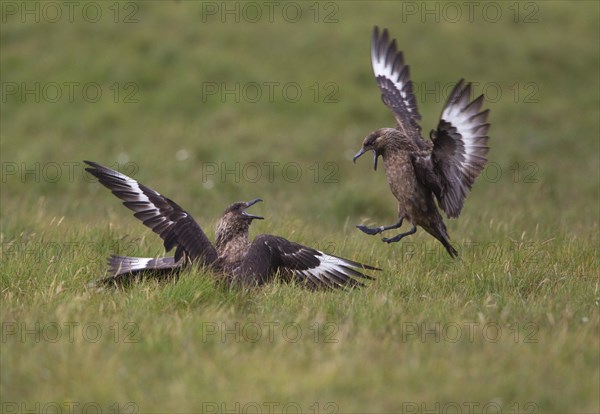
(234,256)
(419,170)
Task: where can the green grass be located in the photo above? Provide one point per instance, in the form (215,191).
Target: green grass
(528,235)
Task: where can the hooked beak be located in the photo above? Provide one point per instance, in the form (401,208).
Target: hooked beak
(361,152)
(250,204)
(358,154)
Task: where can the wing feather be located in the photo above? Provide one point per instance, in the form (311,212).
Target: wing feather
(174,225)
(459,147)
(271,254)
(393,78)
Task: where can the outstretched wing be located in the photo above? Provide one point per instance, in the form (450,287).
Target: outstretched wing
(459,147)
(174,225)
(271,254)
(393,78)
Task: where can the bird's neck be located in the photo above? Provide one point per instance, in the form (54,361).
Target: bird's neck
(392,145)
(231,237)
(395,144)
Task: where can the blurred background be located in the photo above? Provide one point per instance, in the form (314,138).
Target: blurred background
(212,102)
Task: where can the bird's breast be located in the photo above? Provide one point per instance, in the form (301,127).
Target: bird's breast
(403,182)
(233,252)
(400,173)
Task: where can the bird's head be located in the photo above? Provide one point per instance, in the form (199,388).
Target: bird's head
(237,211)
(377,141)
(235,221)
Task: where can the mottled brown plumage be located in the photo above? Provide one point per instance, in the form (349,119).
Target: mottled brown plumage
(417,170)
(234,256)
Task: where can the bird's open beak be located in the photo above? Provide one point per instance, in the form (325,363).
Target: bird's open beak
(358,154)
(361,152)
(250,204)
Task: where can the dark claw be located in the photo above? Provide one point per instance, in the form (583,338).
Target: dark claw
(371,231)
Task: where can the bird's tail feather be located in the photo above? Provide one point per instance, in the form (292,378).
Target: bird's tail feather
(449,248)
(440,233)
(124,269)
(124,264)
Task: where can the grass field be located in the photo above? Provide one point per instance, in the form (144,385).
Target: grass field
(211,103)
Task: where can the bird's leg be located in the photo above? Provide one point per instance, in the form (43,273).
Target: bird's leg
(400,236)
(376,230)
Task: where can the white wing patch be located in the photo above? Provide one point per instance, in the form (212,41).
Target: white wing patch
(385,68)
(143,198)
(331,270)
(124,264)
(470,124)
(135,187)
(130,264)
(140,263)
(460,147)
(393,79)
